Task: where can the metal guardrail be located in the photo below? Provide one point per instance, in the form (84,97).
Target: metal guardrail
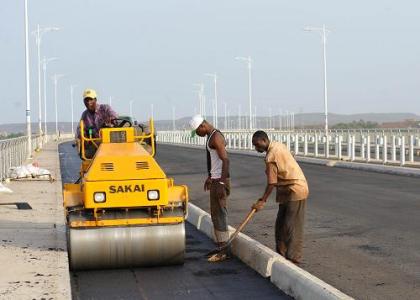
(385,147)
(14,152)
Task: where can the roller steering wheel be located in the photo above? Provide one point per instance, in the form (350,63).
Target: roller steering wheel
(121,122)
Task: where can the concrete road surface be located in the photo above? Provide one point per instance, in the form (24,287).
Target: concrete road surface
(196,279)
(362,231)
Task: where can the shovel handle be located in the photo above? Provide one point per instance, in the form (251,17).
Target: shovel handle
(248,217)
(239,229)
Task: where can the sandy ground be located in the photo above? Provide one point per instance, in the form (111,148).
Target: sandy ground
(33,255)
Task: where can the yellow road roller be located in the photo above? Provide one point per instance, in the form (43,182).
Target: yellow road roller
(123,211)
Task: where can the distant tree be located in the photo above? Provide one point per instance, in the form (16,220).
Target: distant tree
(11,136)
(356,125)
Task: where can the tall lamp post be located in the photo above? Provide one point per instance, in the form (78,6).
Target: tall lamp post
(55,78)
(131,109)
(173,117)
(248,60)
(28,92)
(214,76)
(38,38)
(45,62)
(323,31)
(72,107)
(201,97)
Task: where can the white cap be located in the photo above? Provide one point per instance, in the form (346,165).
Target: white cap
(196,121)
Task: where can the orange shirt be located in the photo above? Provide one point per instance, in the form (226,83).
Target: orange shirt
(283,171)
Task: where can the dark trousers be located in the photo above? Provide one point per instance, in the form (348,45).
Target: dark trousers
(218,198)
(289,229)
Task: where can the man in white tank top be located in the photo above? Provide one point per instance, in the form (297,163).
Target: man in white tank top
(218,180)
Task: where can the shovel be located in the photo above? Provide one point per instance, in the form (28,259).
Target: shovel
(19,205)
(216,251)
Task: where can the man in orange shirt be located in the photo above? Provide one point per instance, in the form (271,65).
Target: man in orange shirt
(284,175)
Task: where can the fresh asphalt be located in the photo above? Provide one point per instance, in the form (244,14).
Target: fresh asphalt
(362,228)
(196,279)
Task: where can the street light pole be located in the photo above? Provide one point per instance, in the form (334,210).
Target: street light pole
(72,107)
(131,109)
(56,77)
(28,92)
(239,117)
(225,116)
(38,38)
(214,76)
(200,97)
(323,31)
(248,60)
(173,118)
(255,117)
(45,61)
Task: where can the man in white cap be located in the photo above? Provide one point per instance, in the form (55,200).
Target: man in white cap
(218,180)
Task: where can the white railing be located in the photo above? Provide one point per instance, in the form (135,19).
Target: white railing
(14,152)
(370,146)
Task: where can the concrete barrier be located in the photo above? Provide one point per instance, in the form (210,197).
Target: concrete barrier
(285,275)
(393,170)
(254,254)
(206,226)
(195,215)
(300,284)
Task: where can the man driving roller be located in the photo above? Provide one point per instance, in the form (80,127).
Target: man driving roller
(95,117)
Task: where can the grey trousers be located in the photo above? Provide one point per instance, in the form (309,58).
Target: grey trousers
(289,229)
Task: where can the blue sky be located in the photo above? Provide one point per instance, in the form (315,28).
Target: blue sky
(155,51)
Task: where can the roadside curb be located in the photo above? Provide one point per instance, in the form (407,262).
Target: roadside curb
(291,279)
(376,168)
(61,226)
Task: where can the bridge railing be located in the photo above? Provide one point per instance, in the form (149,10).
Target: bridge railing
(14,152)
(382,146)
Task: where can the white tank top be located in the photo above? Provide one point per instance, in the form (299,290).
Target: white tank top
(216,162)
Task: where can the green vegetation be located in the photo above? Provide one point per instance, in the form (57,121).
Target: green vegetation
(356,125)
(10,135)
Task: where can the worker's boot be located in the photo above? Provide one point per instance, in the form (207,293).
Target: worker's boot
(220,255)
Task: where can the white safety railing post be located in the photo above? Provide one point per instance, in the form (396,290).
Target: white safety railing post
(305,145)
(393,149)
(348,144)
(362,147)
(296,144)
(368,148)
(402,151)
(327,146)
(340,147)
(411,149)
(385,150)
(316,145)
(353,148)
(377,142)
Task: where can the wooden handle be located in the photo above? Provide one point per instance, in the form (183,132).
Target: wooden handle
(239,229)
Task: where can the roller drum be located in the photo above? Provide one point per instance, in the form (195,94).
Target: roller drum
(121,247)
